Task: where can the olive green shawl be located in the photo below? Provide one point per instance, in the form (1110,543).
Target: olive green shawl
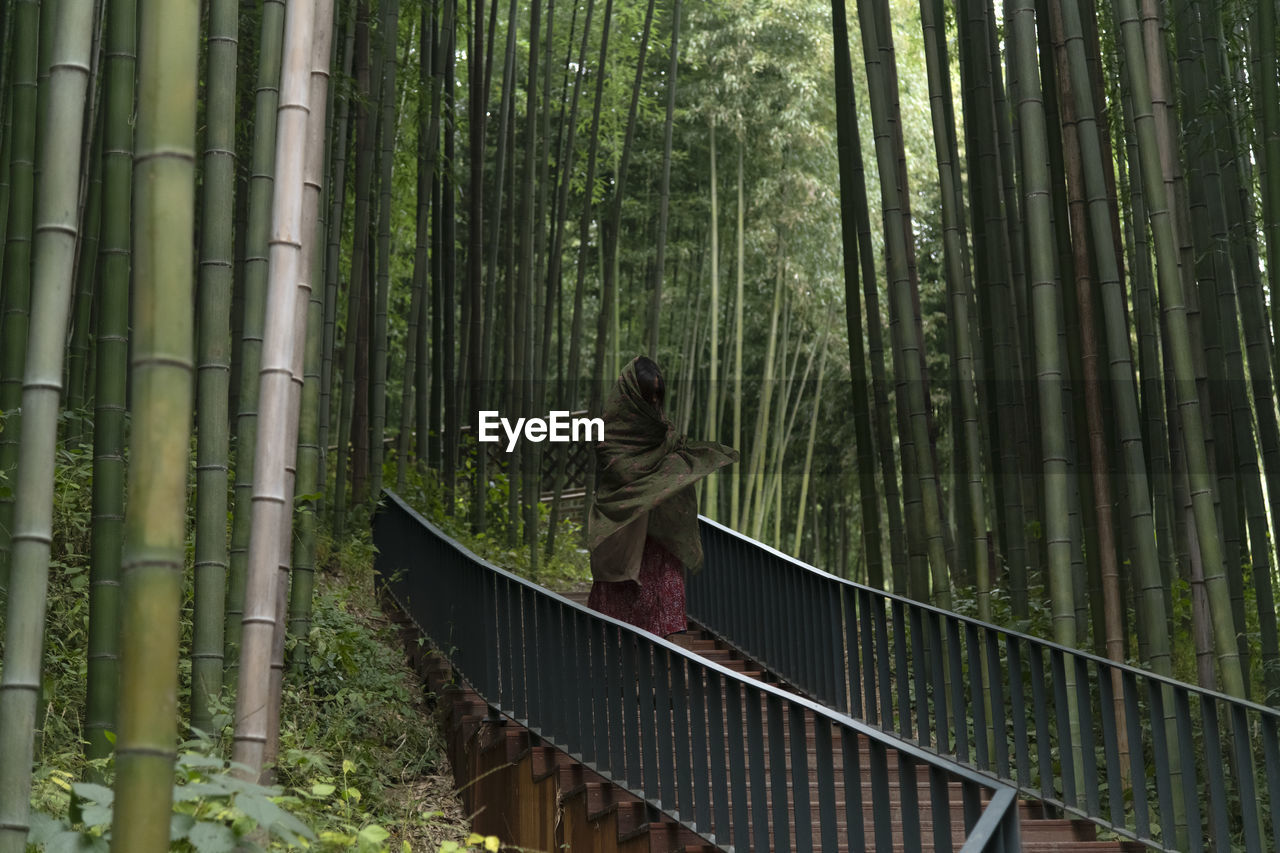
(645,473)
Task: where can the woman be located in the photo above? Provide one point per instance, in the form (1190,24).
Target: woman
(643,528)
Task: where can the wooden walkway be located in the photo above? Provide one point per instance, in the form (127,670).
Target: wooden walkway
(751,763)
(1041,830)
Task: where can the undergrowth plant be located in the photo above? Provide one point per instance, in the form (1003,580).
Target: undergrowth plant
(569,565)
(356,739)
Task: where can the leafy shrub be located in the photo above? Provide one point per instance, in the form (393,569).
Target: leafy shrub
(568,565)
(214,811)
(352,728)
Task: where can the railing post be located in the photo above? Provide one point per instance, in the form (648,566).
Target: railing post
(885,685)
(940,810)
(1185,801)
(902,669)
(646,706)
(554,684)
(1117,778)
(629,708)
(1245,774)
(995,702)
(1089,769)
(533,684)
(1137,766)
(1219,822)
(1160,750)
(615,681)
(756,718)
(800,777)
(909,802)
(492,646)
(681,727)
(824,756)
(664,710)
(881,814)
(927,664)
(1040,709)
(701,751)
(1064,713)
(851,761)
(852,703)
(979,697)
(581,657)
(955,697)
(781,815)
(716,687)
(597,749)
(735,734)
(832,644)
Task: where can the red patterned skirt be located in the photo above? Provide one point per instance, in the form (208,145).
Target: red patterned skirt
(656,603)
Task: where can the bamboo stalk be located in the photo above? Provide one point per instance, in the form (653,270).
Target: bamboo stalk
(569,384)
(1141,521)
(1175,317)
(112,374)
(272,519)
(307,354)
(217,252)
(254,289)
(17,256)
(52,277)
(387,122)
(337,208)
(86,268)
(1045,314)
(155,520)
(909,343)
(958,286)
(359,249)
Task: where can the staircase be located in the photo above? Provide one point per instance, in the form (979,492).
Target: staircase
(525,792)
(1168,765)
(570,730)
(1042,829)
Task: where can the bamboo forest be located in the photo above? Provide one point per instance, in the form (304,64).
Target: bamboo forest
(968,335)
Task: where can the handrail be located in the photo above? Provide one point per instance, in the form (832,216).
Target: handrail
(690,737)
(1084,742)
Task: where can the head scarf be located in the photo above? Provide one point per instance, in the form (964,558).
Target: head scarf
(645,473)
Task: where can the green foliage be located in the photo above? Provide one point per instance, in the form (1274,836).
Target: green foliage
(354,747)
(1040,618)
(351,733)
(353,691)
(569,564)
(67,620)
(352,738)
(213,811)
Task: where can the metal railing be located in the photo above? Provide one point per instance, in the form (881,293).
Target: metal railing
(1168,764)
(692,738)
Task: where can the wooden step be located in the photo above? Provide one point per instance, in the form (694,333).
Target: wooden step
(1082,847)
